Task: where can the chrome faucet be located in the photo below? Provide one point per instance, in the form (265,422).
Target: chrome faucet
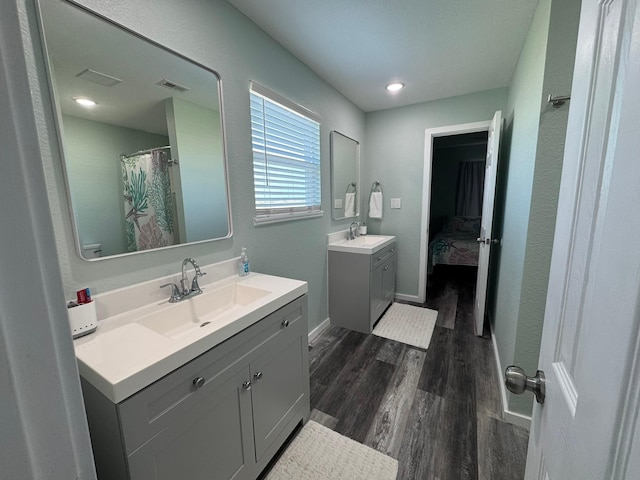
(353,233)
(184,282)
(184,291)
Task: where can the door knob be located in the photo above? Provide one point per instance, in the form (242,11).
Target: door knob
(517,382)
(488,241)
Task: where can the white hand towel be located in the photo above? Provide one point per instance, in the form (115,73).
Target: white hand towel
(375,205)
(350,204)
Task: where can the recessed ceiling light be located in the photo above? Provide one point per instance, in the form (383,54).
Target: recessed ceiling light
(394,87)
(85,102)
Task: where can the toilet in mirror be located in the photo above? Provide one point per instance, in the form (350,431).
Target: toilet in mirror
(141,136)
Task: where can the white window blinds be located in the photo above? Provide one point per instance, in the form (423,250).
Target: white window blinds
(286,157)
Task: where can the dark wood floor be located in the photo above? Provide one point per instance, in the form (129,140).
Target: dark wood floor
(436,411)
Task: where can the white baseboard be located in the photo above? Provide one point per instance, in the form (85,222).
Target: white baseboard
(507,415)
(408,298)
(315,333)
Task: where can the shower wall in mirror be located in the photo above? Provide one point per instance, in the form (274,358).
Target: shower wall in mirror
(141,134)
(345,176)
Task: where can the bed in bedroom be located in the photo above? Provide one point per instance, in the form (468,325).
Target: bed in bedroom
(456,243)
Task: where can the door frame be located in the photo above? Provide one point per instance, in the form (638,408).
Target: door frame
(429,135)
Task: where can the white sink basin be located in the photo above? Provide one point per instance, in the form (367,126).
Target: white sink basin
(366,244)
(182,318)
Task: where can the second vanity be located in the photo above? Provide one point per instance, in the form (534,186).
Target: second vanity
(362,274)
(213,397)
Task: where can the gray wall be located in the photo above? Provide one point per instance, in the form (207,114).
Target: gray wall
(393,152)
(215,34)
(43,429)
(93,152)
(533,154)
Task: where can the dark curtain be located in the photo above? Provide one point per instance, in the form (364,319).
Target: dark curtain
(470,188)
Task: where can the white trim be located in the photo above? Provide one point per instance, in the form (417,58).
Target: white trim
(429,135)
(507,415)
(408,298)
(316,332)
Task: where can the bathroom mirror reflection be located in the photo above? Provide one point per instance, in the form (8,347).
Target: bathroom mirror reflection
(144,164)
(345,176)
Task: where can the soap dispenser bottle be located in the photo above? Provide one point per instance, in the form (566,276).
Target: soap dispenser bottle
(243,265)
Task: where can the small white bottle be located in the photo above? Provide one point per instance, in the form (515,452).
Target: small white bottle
(243,265)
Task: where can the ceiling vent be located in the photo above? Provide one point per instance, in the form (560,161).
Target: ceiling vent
(171,85)
(99,78)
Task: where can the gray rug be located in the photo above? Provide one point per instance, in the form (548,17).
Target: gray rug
(318,453)
(407,324)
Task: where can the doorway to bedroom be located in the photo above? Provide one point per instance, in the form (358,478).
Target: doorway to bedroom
(460,165)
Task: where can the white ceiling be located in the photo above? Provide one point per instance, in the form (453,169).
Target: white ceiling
(438,48)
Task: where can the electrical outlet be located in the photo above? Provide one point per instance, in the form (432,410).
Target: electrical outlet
(396,203)
(337,203)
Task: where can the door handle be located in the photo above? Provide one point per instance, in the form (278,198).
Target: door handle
(518,382)
(488,241)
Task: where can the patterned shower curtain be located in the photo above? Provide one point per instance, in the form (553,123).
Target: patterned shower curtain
(148,204)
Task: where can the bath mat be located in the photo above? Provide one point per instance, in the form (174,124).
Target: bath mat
(407,324)
(318,453)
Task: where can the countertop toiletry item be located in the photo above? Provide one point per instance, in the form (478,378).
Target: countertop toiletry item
(82,317)
(243,266)
(363,229)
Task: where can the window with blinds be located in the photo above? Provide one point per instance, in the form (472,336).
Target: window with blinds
(286,158)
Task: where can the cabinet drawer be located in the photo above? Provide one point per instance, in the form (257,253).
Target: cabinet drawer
(382,255)
(151,410)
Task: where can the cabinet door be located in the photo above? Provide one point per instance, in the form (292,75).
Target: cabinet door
(377,294)
(278,378)
(213,441)
(389,281)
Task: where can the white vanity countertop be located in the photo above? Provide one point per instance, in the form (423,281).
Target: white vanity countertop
(365,244)
(122,357)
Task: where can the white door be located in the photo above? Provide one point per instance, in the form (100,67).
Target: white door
(589,426)
(491,170)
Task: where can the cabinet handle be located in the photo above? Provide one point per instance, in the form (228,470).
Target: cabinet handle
(379,258)
(257,376)
(198,382)
(387,267)
(285,323)
(392,250)
(247,385)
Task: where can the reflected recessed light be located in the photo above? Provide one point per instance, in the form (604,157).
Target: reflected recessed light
(85,102)
(394,87)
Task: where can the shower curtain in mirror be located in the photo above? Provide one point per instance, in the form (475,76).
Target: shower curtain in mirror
(148,204)
(470,188)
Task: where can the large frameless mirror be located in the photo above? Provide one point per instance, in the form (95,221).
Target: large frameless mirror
(345,173)
(141,134)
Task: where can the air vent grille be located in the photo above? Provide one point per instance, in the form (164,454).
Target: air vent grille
(172,85)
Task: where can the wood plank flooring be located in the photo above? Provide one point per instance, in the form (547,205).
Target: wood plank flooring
(437,411)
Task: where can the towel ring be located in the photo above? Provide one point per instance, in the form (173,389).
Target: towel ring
(352,184)
(376,187)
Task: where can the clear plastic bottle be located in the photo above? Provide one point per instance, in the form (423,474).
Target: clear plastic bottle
(243,265)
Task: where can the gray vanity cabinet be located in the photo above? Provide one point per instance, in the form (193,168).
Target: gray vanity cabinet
(361,287)
(221,416)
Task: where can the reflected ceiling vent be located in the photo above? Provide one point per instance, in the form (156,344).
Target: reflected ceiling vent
(173,86)
(99,78)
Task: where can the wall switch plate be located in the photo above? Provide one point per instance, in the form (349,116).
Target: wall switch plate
(396,203)
(337,203)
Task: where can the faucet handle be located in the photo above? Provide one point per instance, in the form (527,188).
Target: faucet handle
(175,292)
(194,283)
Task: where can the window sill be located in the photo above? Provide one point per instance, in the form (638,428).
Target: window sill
(285,217)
